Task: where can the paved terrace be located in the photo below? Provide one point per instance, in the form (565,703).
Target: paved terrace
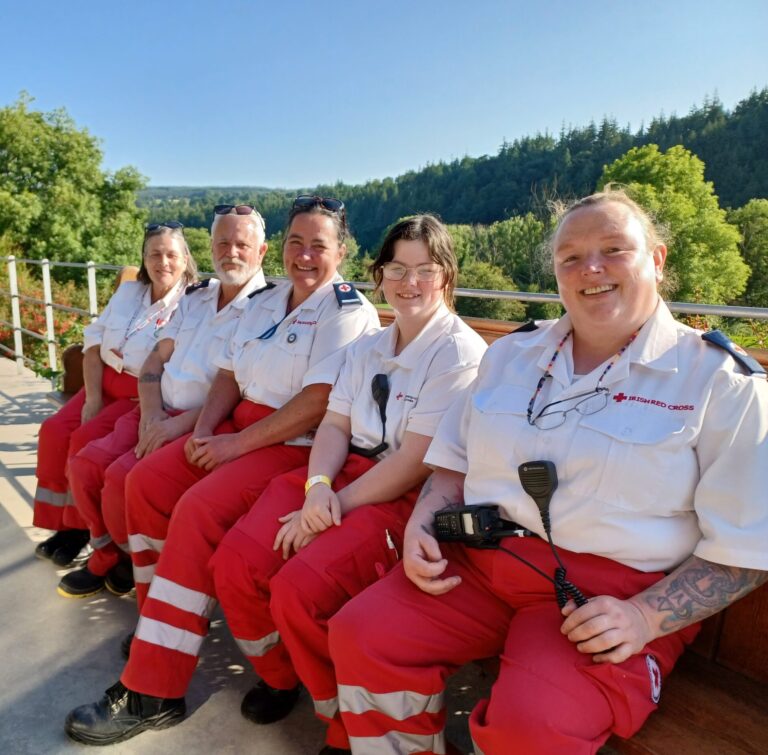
(56,653)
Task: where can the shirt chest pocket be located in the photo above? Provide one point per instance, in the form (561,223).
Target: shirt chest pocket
(648,461)
(499,434)
(281,360)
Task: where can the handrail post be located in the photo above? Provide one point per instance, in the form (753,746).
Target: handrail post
(92,302)
(50,332)
(18,345)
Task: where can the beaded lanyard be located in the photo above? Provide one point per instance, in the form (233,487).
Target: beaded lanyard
(548,371)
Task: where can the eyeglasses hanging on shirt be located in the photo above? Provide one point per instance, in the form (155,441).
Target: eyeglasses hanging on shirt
(380,393)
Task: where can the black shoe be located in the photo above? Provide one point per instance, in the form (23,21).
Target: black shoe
(265,705)
(81,583)
(328,750)
(47,548)
(120,715)
(67,551)
(119,579)
(125,645)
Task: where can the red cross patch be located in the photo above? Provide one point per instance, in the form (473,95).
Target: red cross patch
(344,288)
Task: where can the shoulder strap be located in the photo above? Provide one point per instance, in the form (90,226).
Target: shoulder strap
(346,295)
(261,290)
(197,286)
(526,327)
(719,339)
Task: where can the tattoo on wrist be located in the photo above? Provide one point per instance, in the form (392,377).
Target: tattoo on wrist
(150,377)
(702,589)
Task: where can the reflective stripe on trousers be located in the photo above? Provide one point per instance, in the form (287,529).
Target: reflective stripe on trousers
(257,648)
(398,743)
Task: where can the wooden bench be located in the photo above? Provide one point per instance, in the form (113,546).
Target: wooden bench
(716,700)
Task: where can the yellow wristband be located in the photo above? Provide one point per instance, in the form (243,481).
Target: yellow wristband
(314,480)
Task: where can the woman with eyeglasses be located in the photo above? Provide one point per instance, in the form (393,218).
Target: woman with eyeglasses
(323,532)
(270,392)
(612,465)
(173,383)
(115,346)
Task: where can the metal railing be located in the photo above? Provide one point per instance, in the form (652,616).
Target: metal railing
(755,313)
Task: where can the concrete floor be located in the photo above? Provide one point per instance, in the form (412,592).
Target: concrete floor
(57,653)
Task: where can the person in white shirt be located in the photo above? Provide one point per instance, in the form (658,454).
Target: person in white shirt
(173,384)
(588,588)
(271,391)
(343,515)
(115,346)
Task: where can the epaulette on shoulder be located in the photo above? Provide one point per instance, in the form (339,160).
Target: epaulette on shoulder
(526,327)
(750,364)
(261,290)
(197,286)
(346,295)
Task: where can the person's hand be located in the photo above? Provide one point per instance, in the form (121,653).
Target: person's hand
(91,408)
(321,509)
(610,629)
(157,435)
(292,534)
(212,451)
(148,420)
(423,562)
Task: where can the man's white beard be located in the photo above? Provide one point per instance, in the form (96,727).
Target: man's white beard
(238,277)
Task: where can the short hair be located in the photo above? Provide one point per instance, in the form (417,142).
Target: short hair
(256,220)
(653,231)
(434,234)
(190,273)
(339,219)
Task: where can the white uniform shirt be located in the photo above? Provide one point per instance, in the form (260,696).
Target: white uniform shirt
(274,355)
(127,327)
(675,464)
(199,333)
(424,379)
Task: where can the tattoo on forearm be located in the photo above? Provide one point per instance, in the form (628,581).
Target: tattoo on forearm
(151,377)
(702,589)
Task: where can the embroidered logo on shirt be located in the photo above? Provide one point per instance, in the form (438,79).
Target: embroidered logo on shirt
(304,322)
(406,398)
(620,396)
(654,673)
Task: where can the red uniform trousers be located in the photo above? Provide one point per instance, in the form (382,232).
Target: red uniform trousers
(177,514)
(290,641)
(62,436)
(98,487)
(394,646)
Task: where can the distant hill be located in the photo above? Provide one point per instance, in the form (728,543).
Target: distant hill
(733,145)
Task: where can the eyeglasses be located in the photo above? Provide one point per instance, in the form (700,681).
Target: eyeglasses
(174,225)
(380,393)
(590,403)
(306,201)
(238,209)
(394,271)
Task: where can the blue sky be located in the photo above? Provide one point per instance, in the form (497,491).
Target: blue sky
(298,93)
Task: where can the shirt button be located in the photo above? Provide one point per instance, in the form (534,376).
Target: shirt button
(291,337)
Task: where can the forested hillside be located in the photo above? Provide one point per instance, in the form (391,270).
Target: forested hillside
(521,176)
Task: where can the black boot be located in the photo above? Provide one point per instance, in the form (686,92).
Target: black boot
(328,750)
(120,715)
(61,539)
(119,579)
(74,542)
(265,705)
(80,583)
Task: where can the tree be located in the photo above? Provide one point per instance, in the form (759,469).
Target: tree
(703,251)
(477,274)
(55,201)
(199,241)
(752,222)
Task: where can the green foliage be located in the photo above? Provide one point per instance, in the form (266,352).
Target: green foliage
(479,274)
(520,177)
(752,222)
(55,201)
(199,242)
(703,247)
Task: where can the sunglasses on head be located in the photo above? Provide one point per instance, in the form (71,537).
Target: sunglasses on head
(238,209)
(174,225)
(306,201)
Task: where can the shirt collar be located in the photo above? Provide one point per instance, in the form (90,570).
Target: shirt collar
(439,323)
